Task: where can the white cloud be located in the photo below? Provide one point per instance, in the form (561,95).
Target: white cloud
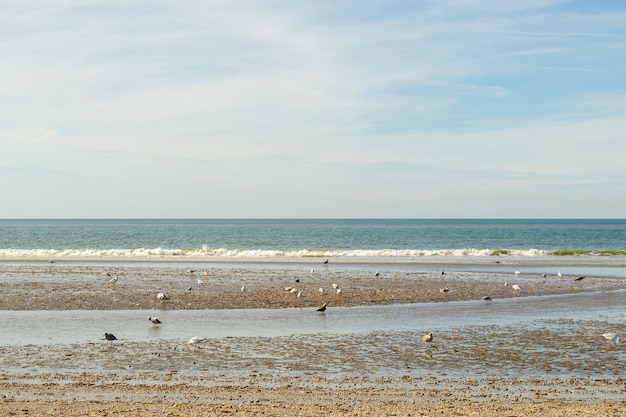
(364,103)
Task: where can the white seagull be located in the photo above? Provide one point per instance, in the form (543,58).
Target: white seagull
(113,280)
(611,336)
(559,274)
(195,340)
(162,296)
(427,338)
(516,287)
(154,320)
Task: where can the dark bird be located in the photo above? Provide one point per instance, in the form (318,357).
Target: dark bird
(326,261)
(110,337)
(487,298)
(444,290)
(322,308)
(443,272)
(154,320)
(377,274)
(579,279)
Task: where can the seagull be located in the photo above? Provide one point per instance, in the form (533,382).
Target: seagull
(516,287)
(559,274)
(579,278)
(293,290)
(288,288)
(427,338)
(544,276)
(322,308)
(243,288)
(486,298)
(611,336)
(162,296)
(338,291)
(200,282)
(195,340)
(154,320)
(113,280)
(517,272)
(335,286)
(299,294)
(110,337)
(321,290)
(444,290)
(506,284)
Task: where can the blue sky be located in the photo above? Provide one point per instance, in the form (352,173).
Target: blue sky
(415,109)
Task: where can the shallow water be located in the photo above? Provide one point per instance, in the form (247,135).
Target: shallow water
(526,337)
(80,326)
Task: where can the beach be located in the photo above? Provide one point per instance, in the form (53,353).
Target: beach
(549,366)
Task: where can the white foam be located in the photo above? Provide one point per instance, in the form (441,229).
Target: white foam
(207,252)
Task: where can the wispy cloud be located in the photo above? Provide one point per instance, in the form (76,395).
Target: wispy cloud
(268,99)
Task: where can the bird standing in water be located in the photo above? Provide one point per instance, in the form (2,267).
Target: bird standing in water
(110,337)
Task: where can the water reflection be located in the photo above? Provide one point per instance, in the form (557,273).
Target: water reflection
(80,326)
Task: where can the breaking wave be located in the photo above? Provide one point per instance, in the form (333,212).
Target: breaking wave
(210,253)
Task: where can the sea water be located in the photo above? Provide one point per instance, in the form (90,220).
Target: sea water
(263,238)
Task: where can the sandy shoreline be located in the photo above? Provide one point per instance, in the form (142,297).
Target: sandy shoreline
(347,375)
(87,287)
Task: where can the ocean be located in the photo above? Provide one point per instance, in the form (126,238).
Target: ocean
(263,238)
(590,246)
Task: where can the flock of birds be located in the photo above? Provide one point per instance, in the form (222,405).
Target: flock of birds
(515,287)
(196,340)
(426,338)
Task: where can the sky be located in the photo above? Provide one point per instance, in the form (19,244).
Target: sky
(313,109)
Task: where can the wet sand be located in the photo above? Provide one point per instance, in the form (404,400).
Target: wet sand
(473,371)
(78,286)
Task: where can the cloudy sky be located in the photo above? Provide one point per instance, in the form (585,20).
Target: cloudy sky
(227,109)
